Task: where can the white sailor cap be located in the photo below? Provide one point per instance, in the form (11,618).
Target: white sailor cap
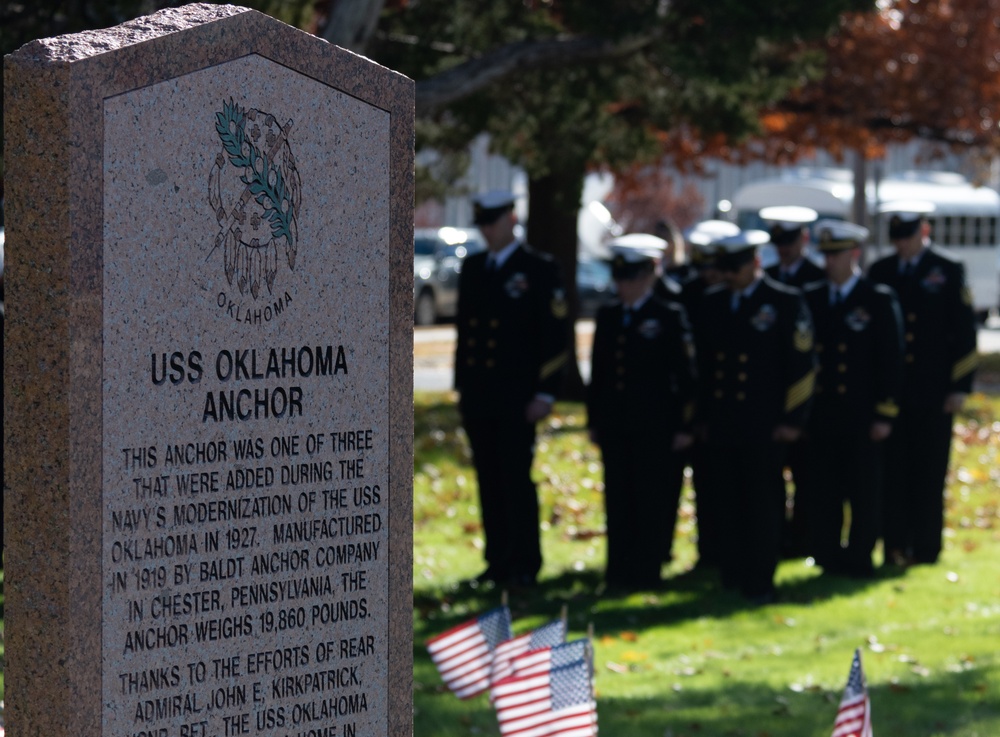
(905,216)
(742,241)
(786,222)
(736,250)
(487,207)
(709,231)
(635,247)
(838,235)
(631,253)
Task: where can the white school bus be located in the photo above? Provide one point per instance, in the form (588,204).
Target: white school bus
(965,222)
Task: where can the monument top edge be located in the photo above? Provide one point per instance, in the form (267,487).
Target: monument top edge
(85,44)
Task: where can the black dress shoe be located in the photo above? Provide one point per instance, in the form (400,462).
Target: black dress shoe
(488,577)
(761,599)
(522,581)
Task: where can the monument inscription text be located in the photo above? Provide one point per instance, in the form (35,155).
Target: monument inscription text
(246,461)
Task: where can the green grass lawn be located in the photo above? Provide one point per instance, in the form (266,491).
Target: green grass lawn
(694,660)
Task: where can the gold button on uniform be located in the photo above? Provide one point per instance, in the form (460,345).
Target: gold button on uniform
(494,323)
(744,358)
(841,389)
(842,368)
(742,377)
(909,337)
(741,396)
(842,347)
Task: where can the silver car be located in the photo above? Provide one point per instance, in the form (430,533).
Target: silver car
(437,262)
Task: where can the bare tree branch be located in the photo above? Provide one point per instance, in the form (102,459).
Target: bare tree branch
(439,91)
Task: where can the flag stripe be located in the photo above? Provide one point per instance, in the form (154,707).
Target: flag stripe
(463,654)
(549,724)
(455,634)
(556,702)
(854,713)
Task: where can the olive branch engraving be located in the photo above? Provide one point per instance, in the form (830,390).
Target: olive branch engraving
(270,178)
(267,186)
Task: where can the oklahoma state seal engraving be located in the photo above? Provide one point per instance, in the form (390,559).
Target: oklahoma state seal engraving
(256,172)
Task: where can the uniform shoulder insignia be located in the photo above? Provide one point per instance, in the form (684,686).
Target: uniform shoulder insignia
(966,296)
(559,307)
(803,338)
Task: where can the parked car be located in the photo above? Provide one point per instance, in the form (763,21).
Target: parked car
(437,262)
(593,285)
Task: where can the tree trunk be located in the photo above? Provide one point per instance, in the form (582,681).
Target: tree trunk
(351,23)
(553,207)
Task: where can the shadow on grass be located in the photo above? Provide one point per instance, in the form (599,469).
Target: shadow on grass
(694,594)
(948,704)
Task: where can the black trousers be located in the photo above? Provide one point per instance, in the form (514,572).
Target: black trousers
(751,508)
(795,525)
(917,455)
(503,448)
(846,467)
(708,506)
(642,487)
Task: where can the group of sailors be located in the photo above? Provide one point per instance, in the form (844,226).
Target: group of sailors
(848,380)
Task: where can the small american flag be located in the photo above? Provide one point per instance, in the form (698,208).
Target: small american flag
(464,654)
(557,702)
(544,659)
(854,718)
(548,634)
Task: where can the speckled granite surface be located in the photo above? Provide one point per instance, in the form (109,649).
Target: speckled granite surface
(138,264)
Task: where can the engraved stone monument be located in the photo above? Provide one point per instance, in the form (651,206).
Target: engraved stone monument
(208,383)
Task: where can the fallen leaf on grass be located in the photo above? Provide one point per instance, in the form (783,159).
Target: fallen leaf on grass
(628,636)
(874,645)
(631,656)
(575,533)
(617,667)
(806,687)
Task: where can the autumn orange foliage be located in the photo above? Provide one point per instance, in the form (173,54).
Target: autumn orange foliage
(927,69)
